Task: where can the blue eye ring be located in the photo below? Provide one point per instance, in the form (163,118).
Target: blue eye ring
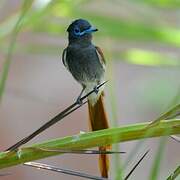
(77,31)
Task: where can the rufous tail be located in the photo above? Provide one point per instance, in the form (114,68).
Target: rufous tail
(98,120)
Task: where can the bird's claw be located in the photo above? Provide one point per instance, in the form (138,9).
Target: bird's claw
(96,90)
(79,101)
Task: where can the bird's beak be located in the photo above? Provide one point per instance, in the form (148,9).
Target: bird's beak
(91,30)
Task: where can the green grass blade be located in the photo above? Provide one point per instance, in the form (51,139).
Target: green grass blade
(116,165)
(155,169)
(175,174)
(171,113)
(89,140)
(6,65)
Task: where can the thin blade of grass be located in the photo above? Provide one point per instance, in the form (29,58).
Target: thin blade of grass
(25,7)
(136,165)
(64,171)
(158,158)
(175,174)
(173,112)
(155,169)
(57,118)
(176,138)
(54,120)
(83,151)
(116,159)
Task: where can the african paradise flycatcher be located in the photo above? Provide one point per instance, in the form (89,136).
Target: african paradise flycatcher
(86,63)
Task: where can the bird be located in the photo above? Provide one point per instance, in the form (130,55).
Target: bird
(87,64)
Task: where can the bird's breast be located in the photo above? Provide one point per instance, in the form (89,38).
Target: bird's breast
(84,65)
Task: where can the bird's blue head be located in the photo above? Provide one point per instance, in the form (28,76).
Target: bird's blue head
(80,29)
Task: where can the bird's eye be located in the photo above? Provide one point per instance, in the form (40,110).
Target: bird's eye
(76,31)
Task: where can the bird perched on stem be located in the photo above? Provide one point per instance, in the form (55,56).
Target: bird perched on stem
(86,63)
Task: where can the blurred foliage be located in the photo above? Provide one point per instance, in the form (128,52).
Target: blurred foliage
(137,40)
(156,167)
(141,57)
(161,3)
(43,20)
(5,69)
(52,17)
(175,174)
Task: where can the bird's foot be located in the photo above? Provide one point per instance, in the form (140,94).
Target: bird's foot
(96,90)
(79,101)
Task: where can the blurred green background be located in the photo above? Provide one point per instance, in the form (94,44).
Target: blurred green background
(141,43)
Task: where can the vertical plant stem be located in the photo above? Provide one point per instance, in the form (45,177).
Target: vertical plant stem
(157,160)
(175,174)
(113,104)
(12,43)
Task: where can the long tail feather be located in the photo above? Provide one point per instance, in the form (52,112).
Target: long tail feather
(98,120)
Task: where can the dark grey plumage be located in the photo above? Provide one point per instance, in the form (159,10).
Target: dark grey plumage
(81,57)
(86,63)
